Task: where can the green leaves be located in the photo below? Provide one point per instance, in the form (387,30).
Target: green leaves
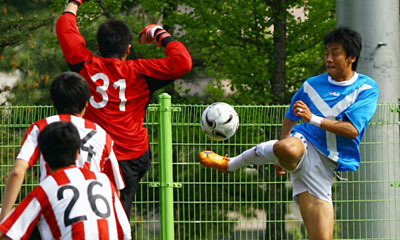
(228,40)
(234,39)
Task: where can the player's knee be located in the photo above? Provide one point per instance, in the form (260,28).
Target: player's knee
(292,148)
(289,151)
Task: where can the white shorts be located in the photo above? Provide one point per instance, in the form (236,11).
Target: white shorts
(314,173)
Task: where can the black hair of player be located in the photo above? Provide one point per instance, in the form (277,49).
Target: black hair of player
(59,143)
(113,38)
(349,39)
(69,92)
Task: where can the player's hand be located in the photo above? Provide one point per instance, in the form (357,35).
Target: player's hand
(153,33)
(77,2)
(279,170)
(301,109)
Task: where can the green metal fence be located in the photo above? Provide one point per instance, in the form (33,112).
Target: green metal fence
(251,203)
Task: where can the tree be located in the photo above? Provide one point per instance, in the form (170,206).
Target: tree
(236,40)
(243,40)
(19,25)
(17,22)
(29,43)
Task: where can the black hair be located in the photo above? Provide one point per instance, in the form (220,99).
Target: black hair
(70,93)
(349,39)
(114,37)
(59,143)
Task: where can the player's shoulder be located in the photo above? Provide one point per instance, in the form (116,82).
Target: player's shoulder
(317,81)
(133,64)
(84,123)
(93,175)
(86,126)
(42,123)
(318,78)
(367,86)
(364,79)
(48,184)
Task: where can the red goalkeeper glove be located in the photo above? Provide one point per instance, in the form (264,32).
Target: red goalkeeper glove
(78,2)
(153,33)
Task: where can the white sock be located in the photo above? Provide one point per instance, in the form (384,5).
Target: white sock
(261,154)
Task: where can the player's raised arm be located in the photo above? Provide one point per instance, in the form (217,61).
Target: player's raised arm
(71,40)
(341,128)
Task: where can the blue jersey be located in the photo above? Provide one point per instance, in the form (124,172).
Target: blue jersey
(354,100)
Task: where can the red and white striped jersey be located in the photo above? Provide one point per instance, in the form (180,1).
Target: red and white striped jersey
(72,203)
(96,152)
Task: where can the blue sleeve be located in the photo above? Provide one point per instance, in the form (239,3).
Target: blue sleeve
(362,111)
(298,96)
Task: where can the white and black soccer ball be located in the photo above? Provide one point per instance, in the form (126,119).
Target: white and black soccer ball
(219,121)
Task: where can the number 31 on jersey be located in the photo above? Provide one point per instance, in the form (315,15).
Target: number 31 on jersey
(120,84)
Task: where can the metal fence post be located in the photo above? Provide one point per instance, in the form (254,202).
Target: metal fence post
(166,181)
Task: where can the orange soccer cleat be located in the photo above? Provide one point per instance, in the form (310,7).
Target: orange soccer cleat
(213,160)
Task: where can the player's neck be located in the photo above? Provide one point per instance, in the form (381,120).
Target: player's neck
(81,113)
(345,76)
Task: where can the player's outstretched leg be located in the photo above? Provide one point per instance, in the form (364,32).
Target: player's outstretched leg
(261,154)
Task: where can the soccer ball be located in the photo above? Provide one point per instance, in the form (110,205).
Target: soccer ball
(219,121)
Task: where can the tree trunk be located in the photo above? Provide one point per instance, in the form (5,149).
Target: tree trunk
(278,80)
(276,211)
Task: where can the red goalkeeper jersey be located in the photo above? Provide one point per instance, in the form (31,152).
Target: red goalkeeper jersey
(121,90)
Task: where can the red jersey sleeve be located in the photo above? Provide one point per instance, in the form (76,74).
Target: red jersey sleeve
(71,41)
(177,63)
(30,145)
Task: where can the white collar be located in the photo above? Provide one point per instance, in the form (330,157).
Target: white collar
(344,83)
